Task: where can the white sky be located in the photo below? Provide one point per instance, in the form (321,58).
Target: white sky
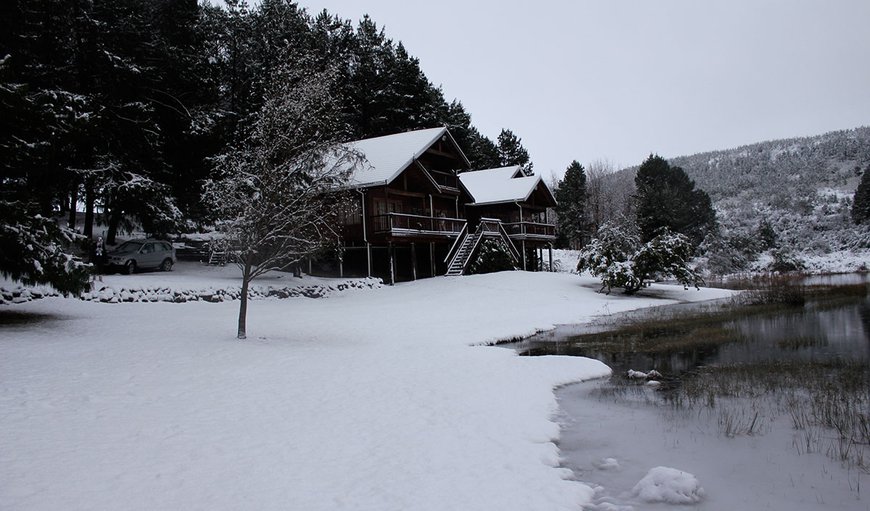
(617,80)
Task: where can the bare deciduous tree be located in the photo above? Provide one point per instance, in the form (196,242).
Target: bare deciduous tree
(277,196)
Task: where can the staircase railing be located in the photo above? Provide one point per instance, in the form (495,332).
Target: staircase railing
(478,239)
(454,250)
(510,243)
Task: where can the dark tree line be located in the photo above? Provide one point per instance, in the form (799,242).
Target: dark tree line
(119,108)
(120,104)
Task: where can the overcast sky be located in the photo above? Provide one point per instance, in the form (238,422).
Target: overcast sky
(617,80)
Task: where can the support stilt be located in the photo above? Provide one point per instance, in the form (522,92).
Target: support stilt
(392,255)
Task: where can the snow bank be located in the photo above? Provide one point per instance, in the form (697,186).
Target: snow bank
(382,399)
(668,485)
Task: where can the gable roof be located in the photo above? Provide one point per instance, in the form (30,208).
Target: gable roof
(495,186)
(386,157)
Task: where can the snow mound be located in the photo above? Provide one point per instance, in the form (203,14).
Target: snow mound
(640,375)
(668,485)
(607,464)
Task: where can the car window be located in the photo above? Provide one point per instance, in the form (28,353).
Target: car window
(149,248)
(129,247)
(164,247)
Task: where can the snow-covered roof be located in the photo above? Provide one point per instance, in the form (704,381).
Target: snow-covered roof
(506,184)
(386,157)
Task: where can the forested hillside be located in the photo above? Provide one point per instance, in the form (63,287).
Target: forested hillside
(782,172)
(787,199)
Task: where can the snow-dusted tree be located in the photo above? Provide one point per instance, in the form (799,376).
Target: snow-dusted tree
(617,256)
(277,196)
(512,152)
(571,207)
(861,202)
(35,250)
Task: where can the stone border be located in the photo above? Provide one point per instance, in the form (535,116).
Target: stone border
(109,294)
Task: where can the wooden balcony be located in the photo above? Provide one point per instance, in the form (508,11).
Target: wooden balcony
(448,183)
(405,225)
(531,231)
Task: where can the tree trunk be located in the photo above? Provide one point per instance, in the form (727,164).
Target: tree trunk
(89,210)
(73,205)
(114,217)
(243,303)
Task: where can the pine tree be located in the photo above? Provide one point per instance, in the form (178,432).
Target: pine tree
(571,207)
(861,202)
(35,250)
(667,198)
(511,152)
(481,152)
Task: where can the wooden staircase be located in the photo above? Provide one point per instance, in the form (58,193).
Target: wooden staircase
(217,257)
(467,243)
(460,260)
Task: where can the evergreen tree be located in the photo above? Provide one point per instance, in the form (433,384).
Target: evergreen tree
(571,207)
(34,250)
(481,152)
(861,202)
(667,198)
(511,152)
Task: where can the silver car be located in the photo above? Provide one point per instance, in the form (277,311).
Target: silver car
(142,254)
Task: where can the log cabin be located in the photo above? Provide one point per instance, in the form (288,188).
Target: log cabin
(421,211)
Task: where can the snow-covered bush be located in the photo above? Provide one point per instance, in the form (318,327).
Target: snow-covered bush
(493,257)
(617,256)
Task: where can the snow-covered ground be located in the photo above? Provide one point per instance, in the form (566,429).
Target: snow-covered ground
(379,399)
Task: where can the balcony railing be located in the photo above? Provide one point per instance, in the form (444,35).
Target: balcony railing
(530,230)
(393,222)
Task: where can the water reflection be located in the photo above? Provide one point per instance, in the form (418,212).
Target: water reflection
(821,330)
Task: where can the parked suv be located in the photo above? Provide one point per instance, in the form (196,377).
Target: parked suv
(142,254)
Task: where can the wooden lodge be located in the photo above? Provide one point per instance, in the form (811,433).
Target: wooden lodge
(421,211)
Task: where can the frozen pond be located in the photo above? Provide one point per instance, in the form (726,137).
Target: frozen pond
(742,404)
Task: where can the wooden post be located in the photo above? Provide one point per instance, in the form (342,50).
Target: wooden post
(365,233)
(550,247)
(413,261)
(524,255)
(392,255)
(432,257)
